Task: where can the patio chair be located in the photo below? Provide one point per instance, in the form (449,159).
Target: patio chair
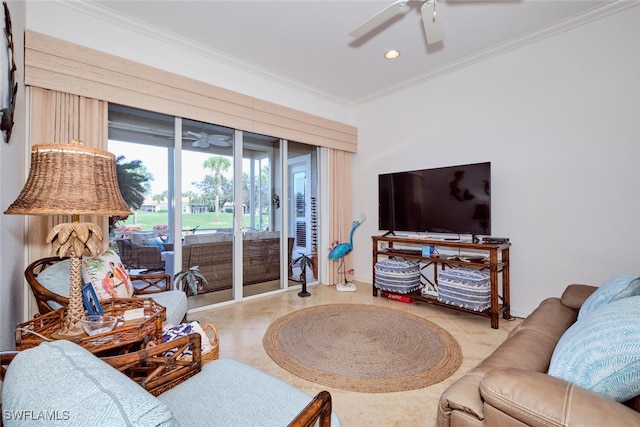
(137,257)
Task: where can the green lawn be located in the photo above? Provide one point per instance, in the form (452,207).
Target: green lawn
(146,220)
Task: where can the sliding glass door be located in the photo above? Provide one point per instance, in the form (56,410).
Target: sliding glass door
(262,236)
(215,201)
(207,169)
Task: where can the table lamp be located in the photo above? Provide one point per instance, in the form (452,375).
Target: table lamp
(71,179)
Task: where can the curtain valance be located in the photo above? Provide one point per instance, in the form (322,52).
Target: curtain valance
(66,67)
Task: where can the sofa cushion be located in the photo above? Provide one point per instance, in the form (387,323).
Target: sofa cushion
(191,239)
(107,275)
(601,351)
(615,289)
(156,242)
(175,302)
(62,381)
(56,279)
(241,395)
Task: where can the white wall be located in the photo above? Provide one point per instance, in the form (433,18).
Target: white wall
(560,122)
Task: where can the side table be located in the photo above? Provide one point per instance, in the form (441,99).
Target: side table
(43,328)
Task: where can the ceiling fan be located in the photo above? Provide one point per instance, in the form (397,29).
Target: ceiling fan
(204,140)
(431,20)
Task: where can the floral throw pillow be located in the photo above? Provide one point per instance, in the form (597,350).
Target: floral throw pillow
(107,275)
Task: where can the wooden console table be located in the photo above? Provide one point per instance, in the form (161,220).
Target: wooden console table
(494,257)
(43,328)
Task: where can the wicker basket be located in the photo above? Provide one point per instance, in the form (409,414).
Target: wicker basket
(214,340)
(206,356)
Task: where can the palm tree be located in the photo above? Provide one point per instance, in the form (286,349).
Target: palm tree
(218,165)
(158,198)
(133,180)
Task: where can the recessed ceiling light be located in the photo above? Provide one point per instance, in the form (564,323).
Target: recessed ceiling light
(392,54)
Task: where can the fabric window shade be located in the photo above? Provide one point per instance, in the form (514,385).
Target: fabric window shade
(62,66)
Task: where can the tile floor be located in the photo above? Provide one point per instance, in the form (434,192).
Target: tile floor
(242,326)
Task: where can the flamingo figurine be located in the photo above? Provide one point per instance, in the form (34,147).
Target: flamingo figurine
(339,251)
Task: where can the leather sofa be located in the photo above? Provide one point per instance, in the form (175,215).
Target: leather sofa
(511,387)
(214,258)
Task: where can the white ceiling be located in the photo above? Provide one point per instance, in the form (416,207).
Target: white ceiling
(306,43)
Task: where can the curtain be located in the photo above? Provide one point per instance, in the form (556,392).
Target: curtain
(60,117)
(340,215)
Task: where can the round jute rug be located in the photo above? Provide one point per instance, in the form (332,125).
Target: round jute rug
(362,348)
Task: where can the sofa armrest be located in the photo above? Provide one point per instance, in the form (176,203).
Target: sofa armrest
(463,396)
(318,410)
(156,371)
(575,295)
(538,399)
(150,283)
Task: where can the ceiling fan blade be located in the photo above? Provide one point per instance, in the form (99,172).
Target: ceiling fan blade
(432,21)
(199,143)
(378,19)
(218,140)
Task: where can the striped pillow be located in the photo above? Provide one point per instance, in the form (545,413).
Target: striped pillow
(396,275)
(601,351)
(465,287)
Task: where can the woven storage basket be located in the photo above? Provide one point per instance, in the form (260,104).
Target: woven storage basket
(214,340)
(210,334)
(397,275)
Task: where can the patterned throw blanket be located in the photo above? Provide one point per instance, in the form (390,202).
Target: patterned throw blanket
(171,332)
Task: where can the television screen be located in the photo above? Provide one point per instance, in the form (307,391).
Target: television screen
(454,199)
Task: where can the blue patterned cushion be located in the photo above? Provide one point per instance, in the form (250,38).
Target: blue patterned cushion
(465,287)
(397,275)
(615,289)
(154,242)
(601,351)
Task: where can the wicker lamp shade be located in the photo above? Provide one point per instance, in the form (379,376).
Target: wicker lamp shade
(69,178)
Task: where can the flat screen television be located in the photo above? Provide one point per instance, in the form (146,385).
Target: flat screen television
(452,200)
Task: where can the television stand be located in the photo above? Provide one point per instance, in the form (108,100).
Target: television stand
(483,256)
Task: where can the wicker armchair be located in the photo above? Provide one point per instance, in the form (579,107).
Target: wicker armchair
(140,257)
(145,285)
